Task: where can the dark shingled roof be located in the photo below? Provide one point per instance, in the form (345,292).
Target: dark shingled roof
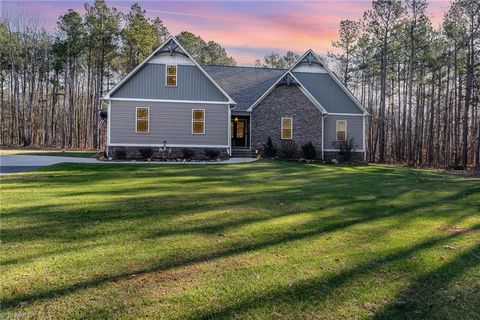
(244,84)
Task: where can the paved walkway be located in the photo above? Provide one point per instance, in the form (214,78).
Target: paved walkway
(21,163)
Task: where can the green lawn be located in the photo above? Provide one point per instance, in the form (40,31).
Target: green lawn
(266,240)
(53,153)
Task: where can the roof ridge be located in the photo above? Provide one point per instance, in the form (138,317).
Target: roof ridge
(249,67)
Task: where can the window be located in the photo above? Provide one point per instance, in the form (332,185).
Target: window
(287,128)
(171,73)
(142,124)
(240,129)
(198,121)
(341,130)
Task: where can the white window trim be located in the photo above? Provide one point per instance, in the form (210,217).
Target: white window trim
(204,120)
(281,130)
(136,120)
(166,74)
(336,131)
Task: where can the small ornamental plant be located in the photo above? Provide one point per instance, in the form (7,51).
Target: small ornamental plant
(309,151)
(269,148)
(146,153)
(188,153)
(121,154)
(288,150)
(212,154)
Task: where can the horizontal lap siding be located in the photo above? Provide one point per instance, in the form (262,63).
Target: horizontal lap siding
(149,83)
(354,130)
(168,121)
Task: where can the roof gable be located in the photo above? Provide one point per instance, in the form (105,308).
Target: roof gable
(171,46)
(309,58)
(289,79)
(336,96)
(320,85)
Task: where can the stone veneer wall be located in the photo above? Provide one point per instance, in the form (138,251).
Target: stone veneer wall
(286,101)
(133,153)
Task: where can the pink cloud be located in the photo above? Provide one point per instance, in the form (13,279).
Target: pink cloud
(247,29)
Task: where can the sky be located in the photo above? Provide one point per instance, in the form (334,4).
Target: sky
(246,29)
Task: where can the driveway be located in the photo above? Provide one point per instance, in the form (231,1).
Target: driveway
(21,163)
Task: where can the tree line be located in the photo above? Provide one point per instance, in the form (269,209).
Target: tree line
(420,83)
(52,84)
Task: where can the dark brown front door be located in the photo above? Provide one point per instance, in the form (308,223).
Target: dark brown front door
(239,129)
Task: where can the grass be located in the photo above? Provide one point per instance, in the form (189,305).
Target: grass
(52,153)
(266,240)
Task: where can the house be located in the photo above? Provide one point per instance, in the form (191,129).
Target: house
(170,102)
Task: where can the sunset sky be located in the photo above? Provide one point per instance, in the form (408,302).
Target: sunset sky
(247,29)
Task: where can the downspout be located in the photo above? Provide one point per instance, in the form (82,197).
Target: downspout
(250,133)
(323,136)
(364,145)
(229,133)
(109,118)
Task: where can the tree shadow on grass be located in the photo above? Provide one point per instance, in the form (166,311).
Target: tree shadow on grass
(314,230)
(312,290)
(69,224)
(171,264)
(360,211)
(431,293)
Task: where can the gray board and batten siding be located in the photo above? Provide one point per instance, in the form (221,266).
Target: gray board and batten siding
(327,92)
(354,130)
(149,83)
(170,122)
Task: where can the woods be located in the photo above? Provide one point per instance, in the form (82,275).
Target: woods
(419,82)
(52,84)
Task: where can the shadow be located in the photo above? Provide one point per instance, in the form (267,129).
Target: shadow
(431,292)
(171,264)
(316,289)
(189,200)
(16,169)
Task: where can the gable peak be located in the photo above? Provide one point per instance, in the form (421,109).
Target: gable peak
(310,57)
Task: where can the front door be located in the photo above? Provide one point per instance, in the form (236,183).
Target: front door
(239,128)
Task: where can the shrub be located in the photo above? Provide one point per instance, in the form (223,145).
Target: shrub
(309,151)
(120,154)
(346,149)
(146,153)
(288,150)
(269,148)
(212,153)
(455,166)
(188,153)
